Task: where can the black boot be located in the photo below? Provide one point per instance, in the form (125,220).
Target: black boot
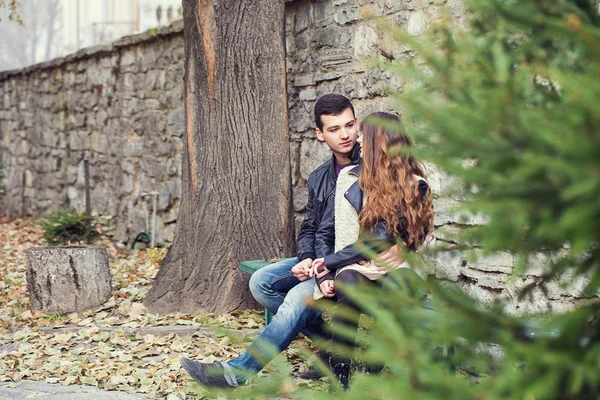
(341,369)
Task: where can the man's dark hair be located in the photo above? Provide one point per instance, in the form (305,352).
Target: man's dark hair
(331,104)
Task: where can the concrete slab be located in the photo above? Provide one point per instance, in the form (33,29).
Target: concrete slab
(36,390)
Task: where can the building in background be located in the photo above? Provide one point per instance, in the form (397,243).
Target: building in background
(55,28)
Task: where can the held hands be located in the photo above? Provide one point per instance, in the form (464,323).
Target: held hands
(318,268)
(302,270)
(391,258)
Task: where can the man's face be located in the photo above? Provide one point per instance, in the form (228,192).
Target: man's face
(339,132)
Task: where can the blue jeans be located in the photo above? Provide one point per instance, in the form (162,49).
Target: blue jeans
(276,288)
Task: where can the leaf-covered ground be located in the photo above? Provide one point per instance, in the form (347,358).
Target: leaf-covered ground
(119,346)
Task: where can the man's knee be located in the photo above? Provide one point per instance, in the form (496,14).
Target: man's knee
(259,284)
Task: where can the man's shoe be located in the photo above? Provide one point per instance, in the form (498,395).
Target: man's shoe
(311,374)
(217,375)
(315,373)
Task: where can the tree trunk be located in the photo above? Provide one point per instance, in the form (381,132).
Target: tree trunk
(236,183)
(67,278)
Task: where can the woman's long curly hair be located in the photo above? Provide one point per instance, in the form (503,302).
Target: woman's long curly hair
(389,183)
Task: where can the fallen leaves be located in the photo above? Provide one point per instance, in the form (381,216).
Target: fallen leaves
(119,345)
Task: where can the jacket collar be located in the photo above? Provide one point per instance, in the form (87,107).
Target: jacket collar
(354,195)
(355,170)
(355,154)
(354,158)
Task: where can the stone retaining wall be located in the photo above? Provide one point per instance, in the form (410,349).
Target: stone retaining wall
(121,107)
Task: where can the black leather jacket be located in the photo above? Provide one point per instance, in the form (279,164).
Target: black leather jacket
(376,241)
(321,186)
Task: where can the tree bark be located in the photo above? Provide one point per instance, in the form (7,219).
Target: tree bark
(67,278)
(236,184)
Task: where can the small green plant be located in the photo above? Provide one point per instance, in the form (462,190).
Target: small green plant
(54,316)
(65,226)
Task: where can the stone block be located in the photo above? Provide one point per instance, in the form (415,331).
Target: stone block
(365,42)
(78,140)
(99,142)
(128,184)
(450,211)
(28,178)
(177,144)
(307,94)
(176,122)
(346,14)
(303,18)
(298,224)
(300,119)
(152,166)
(176,97)
(501,262)
(171,216)
(392,6)
(158,147)
(171,167)
(164,197)
(148,58)
(323,13)
(300,195)
(151,79)
(174,188)
(128,57)
(168,232)
(151,104)
(333,37)
(312,154)
(416,24)
(304,80)
(492,281)
(448,265)
(352,86)
(133,147)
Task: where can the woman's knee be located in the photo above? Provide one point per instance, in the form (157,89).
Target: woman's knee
(349,277)
(345,279)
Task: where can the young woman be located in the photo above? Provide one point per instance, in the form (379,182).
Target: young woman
(379,203)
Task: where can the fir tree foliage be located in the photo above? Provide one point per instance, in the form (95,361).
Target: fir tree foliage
(508,108)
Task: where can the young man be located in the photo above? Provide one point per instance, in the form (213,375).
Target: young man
(283,287)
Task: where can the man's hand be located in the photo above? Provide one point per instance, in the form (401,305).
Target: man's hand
(327,287)
(318,268)
(302,270)
(390,258)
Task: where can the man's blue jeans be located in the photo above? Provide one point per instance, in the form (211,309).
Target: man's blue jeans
(276,288)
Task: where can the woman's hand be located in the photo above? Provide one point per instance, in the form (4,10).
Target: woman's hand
(390,259)
(327,288)
(318,268)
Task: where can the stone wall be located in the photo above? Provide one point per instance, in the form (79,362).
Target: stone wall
(121,107)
